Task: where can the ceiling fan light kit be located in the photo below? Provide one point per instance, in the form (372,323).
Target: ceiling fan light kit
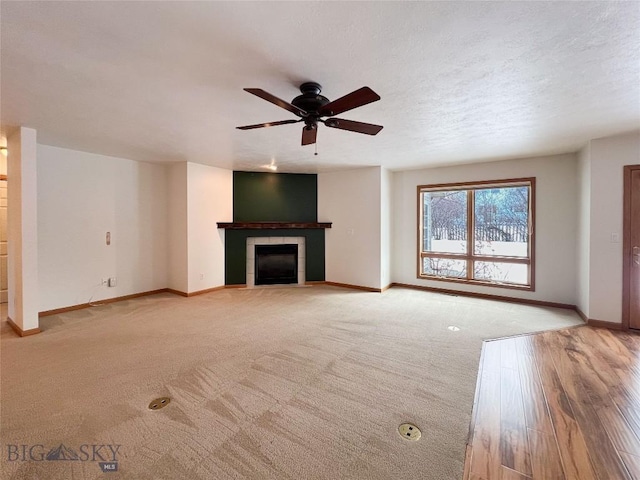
(310,106)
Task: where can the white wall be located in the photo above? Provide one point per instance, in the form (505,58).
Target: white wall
(584,230)
(209,200)
(351,200)
(22,229)
(386,207)
(3,234)
(177,276)
(556,222)
(608,157)
(81,196)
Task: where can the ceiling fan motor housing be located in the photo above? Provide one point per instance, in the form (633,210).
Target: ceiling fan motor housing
(310,100)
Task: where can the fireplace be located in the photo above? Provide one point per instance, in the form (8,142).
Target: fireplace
(276,264)
(282,258)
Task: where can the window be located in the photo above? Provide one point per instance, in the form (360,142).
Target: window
(479,233)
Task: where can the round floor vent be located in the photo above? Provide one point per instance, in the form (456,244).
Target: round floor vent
(159,403)
(409,431)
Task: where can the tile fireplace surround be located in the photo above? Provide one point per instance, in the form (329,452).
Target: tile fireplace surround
(251,251)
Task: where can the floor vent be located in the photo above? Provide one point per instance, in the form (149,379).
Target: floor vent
(159,403)
(409,431)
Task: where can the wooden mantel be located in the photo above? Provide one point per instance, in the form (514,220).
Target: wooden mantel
(271,225)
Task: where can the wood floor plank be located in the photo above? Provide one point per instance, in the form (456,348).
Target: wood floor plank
(604,457)
(632,463)
(545,458)
(571,444)
(621,434)
(514,445)
(595,372)
(474,412)
(535,406)
(547,368)
(508,353)
(627,392)
(610,370)
(630,339)
(485,459)
(614,349)
(508,474)
(467,462)
(586,370)
(625,363)
(632,416)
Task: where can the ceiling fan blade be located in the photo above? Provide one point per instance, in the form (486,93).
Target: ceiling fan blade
(350,101)
(309,135)
(269,124)
(359,127)
(258,92)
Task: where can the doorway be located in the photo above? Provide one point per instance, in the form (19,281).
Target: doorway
(631,248)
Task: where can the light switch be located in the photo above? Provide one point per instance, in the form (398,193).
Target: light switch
(108,238)
(615,238)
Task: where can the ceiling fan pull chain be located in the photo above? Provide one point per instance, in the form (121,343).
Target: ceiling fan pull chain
(316,144)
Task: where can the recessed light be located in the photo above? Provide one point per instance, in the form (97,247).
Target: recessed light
(453,328)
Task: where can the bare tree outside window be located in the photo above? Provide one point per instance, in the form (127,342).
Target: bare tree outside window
(445,222)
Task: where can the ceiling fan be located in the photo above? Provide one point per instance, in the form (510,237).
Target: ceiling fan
(310,106)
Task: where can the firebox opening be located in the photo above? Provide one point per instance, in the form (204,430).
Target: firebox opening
(276,264)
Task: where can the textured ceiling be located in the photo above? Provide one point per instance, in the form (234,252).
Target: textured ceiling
(460,82)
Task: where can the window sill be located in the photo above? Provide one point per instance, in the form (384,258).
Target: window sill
(480,283)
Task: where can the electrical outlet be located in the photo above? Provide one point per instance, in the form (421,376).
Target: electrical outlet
(112,281)
(202,276)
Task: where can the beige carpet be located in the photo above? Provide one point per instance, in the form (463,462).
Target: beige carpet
(274,383)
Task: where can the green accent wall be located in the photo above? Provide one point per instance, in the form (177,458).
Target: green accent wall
(275,197)
(236,252)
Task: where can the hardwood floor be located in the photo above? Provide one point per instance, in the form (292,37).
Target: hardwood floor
(557,405)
